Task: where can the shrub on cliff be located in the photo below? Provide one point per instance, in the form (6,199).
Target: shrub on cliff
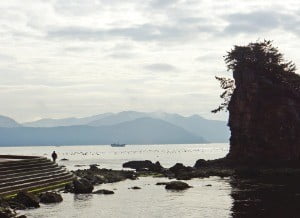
(263,58)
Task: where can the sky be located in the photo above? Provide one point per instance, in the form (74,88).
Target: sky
(75,58)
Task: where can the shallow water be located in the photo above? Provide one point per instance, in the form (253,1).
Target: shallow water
(227,197)
(113,157)
(151,200)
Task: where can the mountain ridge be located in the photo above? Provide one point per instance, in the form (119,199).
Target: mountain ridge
(211,130)
(140,131)
(8,122)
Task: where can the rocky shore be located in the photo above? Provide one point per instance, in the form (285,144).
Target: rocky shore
(24,200)
(88,180)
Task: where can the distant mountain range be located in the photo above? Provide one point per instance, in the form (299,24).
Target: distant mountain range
(128,127)
(8,122)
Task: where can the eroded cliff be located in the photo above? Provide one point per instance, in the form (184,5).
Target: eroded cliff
(264,110)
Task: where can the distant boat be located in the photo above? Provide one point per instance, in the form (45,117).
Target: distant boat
(117,145)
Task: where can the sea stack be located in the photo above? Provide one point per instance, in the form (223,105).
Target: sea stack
(264,110)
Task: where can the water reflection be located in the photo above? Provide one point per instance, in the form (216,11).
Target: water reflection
(82,201)
(266,197)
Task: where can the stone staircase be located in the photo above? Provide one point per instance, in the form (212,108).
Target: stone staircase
(30,173)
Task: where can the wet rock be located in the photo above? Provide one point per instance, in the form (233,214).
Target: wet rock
(29,200)
(182,172)
(185,175)
(94,179)
(200,163)
(162,183)
(247,172)
(16,206)
(79,165)
(177,185)
(69,188)
(104,192)
(99,179)
(3,203)
(179,167)
(5,212)
(142,165)
(82,186)
(94,167)
(157,167)
(50,197)
(99,176)
(135,187)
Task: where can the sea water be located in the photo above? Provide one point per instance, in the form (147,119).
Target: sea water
(209,197)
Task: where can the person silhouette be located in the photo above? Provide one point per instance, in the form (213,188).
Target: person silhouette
(54,156)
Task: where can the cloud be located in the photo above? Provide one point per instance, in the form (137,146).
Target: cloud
(107,52)
(122,55)
(161,67)
(145,32)
(162,4)
(256,22)
(6,58)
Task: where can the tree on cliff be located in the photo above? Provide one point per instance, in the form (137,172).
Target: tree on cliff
(261,57)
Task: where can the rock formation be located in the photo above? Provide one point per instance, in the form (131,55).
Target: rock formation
(264,110)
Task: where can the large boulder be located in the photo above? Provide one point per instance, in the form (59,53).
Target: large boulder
(3,203)
(82,186)
(7,213)
(177,185)
(50,197)
(29,200)
(69,188)
(103,192)
(180,168)
(139,165)
(200,163)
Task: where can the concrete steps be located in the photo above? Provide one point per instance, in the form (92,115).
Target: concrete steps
(33,174)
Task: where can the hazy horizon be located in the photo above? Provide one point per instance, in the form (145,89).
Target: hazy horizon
(78,58)
(91,115)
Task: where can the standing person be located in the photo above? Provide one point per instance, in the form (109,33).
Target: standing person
(54,156)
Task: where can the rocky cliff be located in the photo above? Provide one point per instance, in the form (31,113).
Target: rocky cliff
(264,112)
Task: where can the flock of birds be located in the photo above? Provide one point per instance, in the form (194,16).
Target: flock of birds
(165,151)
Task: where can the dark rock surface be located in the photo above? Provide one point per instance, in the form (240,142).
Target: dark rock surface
(82,186)
(264,114)
(162,183)
(104,192)
(200,163)
(99,176)
(179,167)
(144,165)
(69,188)
(135,187)
(8,213)
(177,185)
(29,200)
(50,197)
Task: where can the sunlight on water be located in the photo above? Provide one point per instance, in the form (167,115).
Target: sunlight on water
(151,200)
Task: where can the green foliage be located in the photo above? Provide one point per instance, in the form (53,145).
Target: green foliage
(228,85)
(262,58)
(259,56)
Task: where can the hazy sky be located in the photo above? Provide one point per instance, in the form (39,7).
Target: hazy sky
(62,58)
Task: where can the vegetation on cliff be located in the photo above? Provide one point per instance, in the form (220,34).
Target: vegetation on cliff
(263,100)
(263,58)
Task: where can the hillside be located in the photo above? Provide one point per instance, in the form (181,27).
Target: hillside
(139,131)
(8,122)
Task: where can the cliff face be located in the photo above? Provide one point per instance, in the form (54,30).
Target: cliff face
(265,116)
